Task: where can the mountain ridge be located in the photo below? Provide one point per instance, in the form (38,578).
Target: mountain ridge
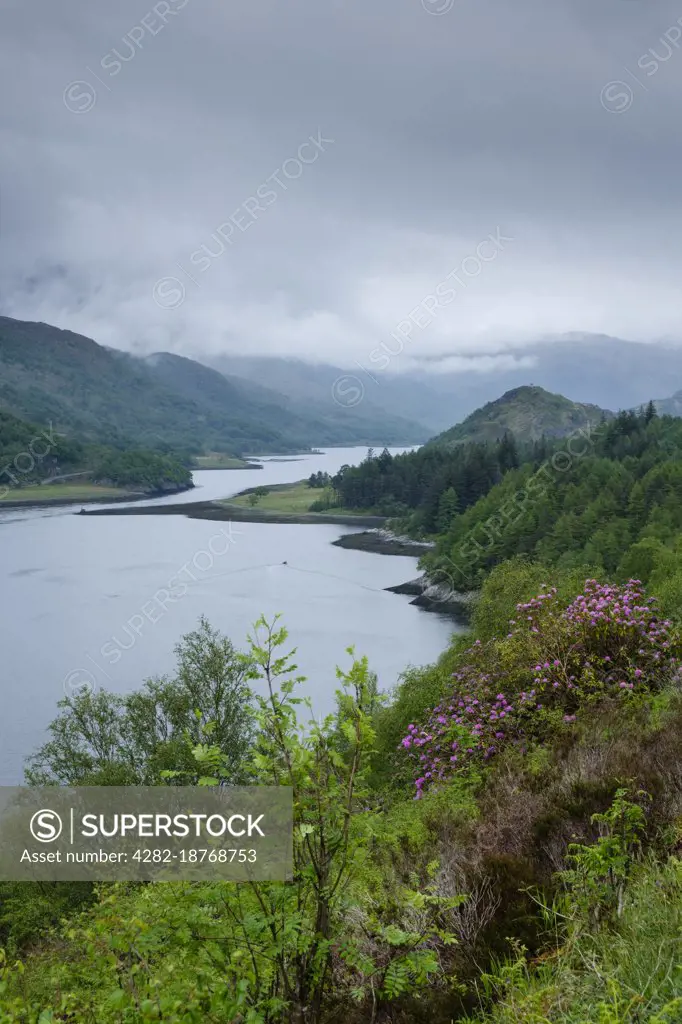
(593,369)
(311,422)
(171,402)
(252,405)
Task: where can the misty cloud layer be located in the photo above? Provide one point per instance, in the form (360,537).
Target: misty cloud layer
(254,176)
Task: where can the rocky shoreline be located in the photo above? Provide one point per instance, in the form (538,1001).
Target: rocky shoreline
(383,542)
(438,597)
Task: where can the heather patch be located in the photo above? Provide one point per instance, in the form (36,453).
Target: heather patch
(554,661)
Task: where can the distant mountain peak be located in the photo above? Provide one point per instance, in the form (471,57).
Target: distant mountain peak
(523,391)
(528,412)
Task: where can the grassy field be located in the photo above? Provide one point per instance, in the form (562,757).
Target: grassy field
(61,492)
(218,460)
(296,497)
(287,498)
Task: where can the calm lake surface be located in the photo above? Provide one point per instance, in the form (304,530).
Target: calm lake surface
(101,601)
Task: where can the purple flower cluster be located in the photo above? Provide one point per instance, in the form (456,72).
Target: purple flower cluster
(609,640)
(609,637)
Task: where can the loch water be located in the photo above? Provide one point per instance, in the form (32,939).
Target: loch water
(83,598)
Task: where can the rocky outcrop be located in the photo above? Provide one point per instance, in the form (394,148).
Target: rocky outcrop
(383,542)
(438,597)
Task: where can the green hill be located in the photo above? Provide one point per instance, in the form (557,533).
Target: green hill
(49,375)
(103,395)
(30,452)
(615,503)
(31,456)
(528,413)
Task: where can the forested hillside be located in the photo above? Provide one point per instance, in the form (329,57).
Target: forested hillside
(608,496)
(48,375)
(110,397)
(32,454)
(433,483)
(612,499)
(461,465)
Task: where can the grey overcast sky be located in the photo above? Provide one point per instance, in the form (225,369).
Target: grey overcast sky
(135,131)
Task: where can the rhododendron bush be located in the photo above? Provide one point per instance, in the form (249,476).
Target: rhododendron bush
(554,662)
